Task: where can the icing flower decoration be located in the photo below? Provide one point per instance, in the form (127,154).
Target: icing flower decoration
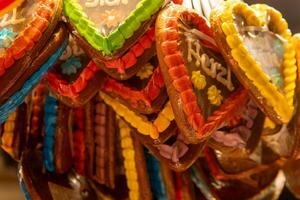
(111,18)
(7,36)
(198,80)
(214,95)
(145,72)
(71,65)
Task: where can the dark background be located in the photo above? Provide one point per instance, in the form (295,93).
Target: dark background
(290,9)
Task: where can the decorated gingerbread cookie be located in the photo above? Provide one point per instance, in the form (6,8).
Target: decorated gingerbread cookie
(259,37)
(24,50)
(285,142)
(202,89)
(129,63)
(74,79)
(145,93)
(112,31)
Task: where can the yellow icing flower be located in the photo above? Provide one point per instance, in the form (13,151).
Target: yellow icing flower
(145,72)
(214,95)
(198,80)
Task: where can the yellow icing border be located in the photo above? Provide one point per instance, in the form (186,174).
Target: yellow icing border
(248,64)
(160,124)
(8,134)
(129,161)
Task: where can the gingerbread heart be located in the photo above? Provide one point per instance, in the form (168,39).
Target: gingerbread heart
(145,93)
(127,64)
(255,42)
(75,79)
(25,31)
(285,142)
(116,26)
(202,90)
(17,93)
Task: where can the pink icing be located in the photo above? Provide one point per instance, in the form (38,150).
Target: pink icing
(175,151)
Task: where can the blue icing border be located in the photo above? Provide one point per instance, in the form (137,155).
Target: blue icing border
(50,117)
(156,182)
(16,99)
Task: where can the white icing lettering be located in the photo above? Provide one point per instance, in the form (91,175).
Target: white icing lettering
(208,65)
(6,21)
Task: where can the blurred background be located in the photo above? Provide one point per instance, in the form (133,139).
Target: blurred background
(9,186)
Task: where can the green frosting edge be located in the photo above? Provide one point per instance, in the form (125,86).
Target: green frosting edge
(109,44)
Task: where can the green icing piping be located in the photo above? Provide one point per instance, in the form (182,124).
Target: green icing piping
(109,44)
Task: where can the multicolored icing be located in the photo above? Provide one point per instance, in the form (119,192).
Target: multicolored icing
(16,99)
(126,65)
(50,121)
(195,74)
(140,100)
(103,35)
(24,27)
(264,55)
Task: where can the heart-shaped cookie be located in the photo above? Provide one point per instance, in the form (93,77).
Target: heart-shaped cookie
(75,79)
(145,93)
(16,95)
(127,64)
(285,142)
(24,32)
(202,90)
(112,30)
(255,42)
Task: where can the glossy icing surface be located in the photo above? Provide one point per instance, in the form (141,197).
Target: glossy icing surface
(111,15)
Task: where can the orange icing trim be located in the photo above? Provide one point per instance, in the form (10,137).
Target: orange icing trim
(29,36)
(147,95)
